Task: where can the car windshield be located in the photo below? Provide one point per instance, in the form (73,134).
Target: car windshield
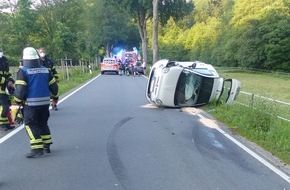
(192,89)
(109,61)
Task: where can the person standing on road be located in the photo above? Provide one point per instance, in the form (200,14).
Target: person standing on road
(144,67)
(33,87)
(6,88)
(127,66)
(48,63)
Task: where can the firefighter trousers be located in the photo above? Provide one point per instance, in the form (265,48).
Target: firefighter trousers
(36,125)
(4,102)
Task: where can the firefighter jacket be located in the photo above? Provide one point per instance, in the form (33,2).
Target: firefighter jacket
(5,75)
(34,86)
(46,62)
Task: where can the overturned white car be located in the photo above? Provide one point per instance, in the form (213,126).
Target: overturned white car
(182,84)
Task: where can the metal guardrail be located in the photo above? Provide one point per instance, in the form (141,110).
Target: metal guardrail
(253,96)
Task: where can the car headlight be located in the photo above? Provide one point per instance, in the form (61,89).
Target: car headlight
(165,70)
(159,102)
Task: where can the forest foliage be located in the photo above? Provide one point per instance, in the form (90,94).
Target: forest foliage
(236,33)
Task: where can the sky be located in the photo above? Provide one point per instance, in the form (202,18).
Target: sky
(12,3)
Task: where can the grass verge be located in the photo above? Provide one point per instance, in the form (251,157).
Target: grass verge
(76,77)
(258,120)
(264,129)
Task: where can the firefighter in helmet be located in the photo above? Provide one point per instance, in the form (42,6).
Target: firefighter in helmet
(33,87)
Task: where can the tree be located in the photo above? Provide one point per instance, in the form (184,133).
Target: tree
(155,31)
(18,29)
(142,11)
(110,27)
(276,27)
(262,32)
(63,40)
(55,16)
(172,37)
(4,29)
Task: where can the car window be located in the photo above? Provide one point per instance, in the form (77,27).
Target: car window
(109,61)
(187,88)
(193,89)
(227,86)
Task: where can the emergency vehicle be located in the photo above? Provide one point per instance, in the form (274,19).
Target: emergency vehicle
(131,55)
(109,65)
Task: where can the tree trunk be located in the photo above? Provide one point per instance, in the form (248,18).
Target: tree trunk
(145,47)
(155,31)
(108,50)
(143,34)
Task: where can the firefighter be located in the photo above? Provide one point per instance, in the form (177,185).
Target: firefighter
(6,88)
(33,87)
(48,63)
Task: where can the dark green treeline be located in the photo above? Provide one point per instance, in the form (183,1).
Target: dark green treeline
(238,33)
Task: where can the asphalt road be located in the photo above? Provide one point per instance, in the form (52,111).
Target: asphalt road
(107,137)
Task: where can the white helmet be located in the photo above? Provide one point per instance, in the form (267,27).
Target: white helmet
(30,53)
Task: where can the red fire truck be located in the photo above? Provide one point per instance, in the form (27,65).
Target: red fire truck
(131,55)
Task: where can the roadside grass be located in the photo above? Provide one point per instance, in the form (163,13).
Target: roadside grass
(258,120)
(76,77)
(266,130)
(271,85)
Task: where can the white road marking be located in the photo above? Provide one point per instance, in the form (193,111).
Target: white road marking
(211,124)
(6,137)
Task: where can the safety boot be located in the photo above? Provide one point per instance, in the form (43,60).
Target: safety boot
(7,127)
(46,148)
(34,153)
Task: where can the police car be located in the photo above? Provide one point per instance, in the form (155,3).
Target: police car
(182,84)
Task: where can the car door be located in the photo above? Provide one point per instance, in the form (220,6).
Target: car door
(230,91)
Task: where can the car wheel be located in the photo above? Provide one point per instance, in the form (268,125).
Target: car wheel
(102,72)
